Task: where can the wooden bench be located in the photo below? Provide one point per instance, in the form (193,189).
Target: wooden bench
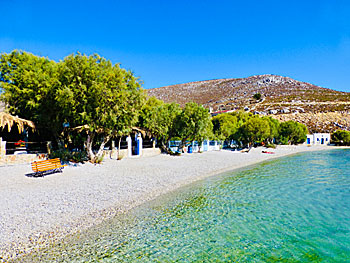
(47,166)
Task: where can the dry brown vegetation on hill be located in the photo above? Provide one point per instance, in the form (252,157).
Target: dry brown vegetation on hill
(282,97)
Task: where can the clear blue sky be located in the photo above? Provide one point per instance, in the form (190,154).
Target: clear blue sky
(170,42)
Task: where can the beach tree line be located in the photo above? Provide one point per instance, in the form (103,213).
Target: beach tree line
(88,100)
(248,129)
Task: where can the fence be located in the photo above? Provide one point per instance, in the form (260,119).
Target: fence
(194,146)
(26,147)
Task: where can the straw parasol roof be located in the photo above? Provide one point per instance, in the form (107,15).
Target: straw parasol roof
(9,121)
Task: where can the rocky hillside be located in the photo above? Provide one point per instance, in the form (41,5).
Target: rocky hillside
(282,97)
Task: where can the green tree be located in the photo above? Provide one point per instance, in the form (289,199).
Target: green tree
(224,126)
(255,129)
(194,123)
(341,137)
(292,132)
(242,117)
(274,129)
(28,84)
(102,97)
(158,118)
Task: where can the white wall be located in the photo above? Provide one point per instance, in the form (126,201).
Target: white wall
(318,139)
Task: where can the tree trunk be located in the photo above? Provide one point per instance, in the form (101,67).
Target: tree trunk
(163,147)
(59,141)
(102,146)
(89,141)
(120,139)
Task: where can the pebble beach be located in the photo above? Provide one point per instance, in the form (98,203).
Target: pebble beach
(38,211)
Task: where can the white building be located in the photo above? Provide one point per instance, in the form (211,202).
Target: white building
(318,139)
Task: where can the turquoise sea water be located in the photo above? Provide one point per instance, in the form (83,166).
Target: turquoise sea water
(293,209)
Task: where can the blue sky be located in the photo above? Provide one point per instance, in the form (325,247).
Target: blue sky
(170,42)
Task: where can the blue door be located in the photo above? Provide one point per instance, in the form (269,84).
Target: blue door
(308,140)
(322,141)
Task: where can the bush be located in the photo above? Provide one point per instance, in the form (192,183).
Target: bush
(271,145)
(66,156)
(341,137)
(257,96)
(99,159)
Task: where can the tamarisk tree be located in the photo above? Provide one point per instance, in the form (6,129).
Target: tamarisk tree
(100,96)
(27,84)
(194,123)
(159,119)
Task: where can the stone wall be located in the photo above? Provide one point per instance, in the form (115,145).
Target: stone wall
(20,158)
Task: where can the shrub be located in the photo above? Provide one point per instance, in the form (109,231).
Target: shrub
(99,159)
(66,156)
(257,96)
(341,137)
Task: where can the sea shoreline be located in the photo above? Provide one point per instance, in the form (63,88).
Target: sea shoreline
(37,212)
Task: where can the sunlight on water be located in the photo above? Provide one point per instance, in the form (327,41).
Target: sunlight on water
(294,209)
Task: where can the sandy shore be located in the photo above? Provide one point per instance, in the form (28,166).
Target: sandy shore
(35,212)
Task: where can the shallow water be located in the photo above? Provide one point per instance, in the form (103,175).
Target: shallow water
(293,209)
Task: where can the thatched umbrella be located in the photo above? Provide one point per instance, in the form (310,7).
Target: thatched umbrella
(9,121)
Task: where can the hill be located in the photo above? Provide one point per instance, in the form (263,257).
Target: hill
(282,97)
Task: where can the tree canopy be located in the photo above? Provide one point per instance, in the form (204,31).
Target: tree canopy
(194,123)
(28,85)
(341,137)
(225,126)
(103,96)
(255,129)
(292,132)
(159,119)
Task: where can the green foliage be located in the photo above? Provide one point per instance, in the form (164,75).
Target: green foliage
(28,85)
(274,128)
(257,96)
(341,137)
(224,126)
(99,94)
(256,129)
(292,132)
(242,117)
(66,156)
(159,119)
(194,123)
(99,159)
